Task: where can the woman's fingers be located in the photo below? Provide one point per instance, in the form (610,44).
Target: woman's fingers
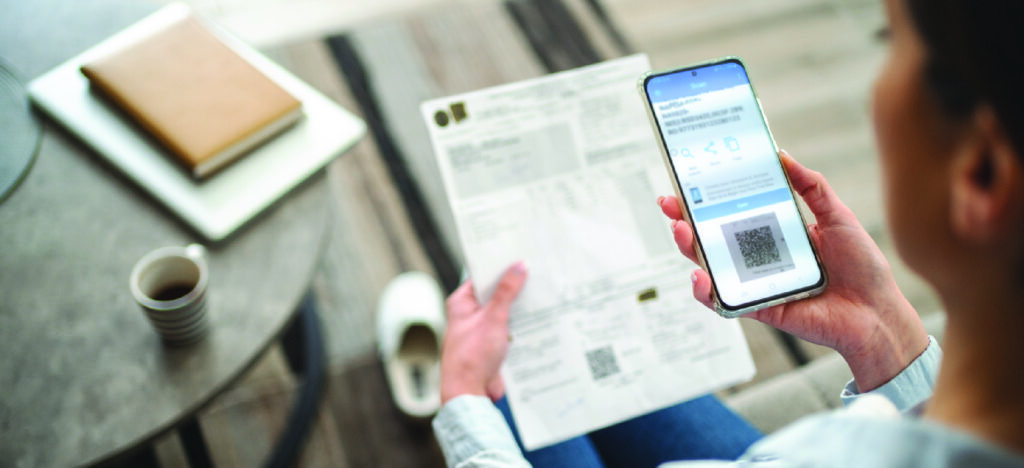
(702,287)
(681,231)
(496,388)
(670,206)
(462,301)
(683,235)
(816,192)
(508,288)
(771,316)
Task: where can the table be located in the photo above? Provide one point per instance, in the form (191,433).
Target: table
(85,379)
(19,130)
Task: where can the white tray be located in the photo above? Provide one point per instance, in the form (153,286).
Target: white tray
(217,206)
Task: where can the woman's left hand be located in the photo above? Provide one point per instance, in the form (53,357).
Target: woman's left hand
(477,338)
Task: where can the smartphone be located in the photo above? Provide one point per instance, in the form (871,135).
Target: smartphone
(749,233)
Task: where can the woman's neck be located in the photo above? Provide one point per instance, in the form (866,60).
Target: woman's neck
(981,383)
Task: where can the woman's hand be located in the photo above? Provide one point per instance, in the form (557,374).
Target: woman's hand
(862,314)
(477,338)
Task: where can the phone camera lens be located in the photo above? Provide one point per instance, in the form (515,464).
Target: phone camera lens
(693,73)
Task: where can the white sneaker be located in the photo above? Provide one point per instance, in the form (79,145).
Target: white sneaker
(410,330)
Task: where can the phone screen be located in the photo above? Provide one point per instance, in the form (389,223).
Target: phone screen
(722,155)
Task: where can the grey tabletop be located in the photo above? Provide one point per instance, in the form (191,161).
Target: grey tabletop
(83,375)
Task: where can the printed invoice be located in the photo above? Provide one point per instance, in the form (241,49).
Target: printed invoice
(563,172)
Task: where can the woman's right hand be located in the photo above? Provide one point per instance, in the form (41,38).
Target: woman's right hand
(862,314)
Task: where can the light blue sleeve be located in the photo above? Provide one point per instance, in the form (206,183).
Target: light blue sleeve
(910,387)
(472,433)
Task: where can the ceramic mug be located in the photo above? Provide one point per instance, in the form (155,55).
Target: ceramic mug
(170,285)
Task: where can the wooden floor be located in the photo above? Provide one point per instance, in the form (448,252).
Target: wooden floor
(812,61)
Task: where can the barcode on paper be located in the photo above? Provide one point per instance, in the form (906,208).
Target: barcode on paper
(602,362)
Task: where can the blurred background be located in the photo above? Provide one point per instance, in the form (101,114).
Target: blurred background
(812,61)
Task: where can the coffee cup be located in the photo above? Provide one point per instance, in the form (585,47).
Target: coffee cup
(170,284)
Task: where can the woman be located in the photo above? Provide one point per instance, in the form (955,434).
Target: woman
(948,118)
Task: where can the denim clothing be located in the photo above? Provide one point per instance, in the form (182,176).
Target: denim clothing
(702,428)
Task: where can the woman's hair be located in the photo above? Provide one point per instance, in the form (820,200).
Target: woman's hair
(973,57)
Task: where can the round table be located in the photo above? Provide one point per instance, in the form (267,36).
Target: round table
(84,377)
(19,132)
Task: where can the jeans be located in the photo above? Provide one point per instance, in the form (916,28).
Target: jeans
(699,429)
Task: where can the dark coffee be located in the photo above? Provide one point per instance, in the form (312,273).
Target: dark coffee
(172,292)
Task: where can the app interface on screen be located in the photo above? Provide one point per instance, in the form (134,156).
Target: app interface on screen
(733,183)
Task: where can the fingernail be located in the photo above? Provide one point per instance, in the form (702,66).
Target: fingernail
(660,198)
(519,268)
(675,224)
(693,276)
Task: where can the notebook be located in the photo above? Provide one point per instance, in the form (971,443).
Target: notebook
(217,206)
(202,101)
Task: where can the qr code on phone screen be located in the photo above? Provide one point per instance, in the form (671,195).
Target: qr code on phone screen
(758,247)
(602,362)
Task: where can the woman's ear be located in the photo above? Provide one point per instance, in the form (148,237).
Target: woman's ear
(987,181)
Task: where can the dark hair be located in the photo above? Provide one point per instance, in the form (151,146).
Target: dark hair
(973,48)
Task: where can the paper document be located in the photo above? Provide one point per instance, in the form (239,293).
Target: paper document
(563,172)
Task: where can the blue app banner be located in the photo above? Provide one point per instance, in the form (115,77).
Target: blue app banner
(743,204)
(697,81)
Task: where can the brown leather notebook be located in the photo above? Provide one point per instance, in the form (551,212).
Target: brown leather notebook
(197,97)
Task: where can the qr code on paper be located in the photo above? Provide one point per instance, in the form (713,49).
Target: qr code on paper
(758,247)
(602,362)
